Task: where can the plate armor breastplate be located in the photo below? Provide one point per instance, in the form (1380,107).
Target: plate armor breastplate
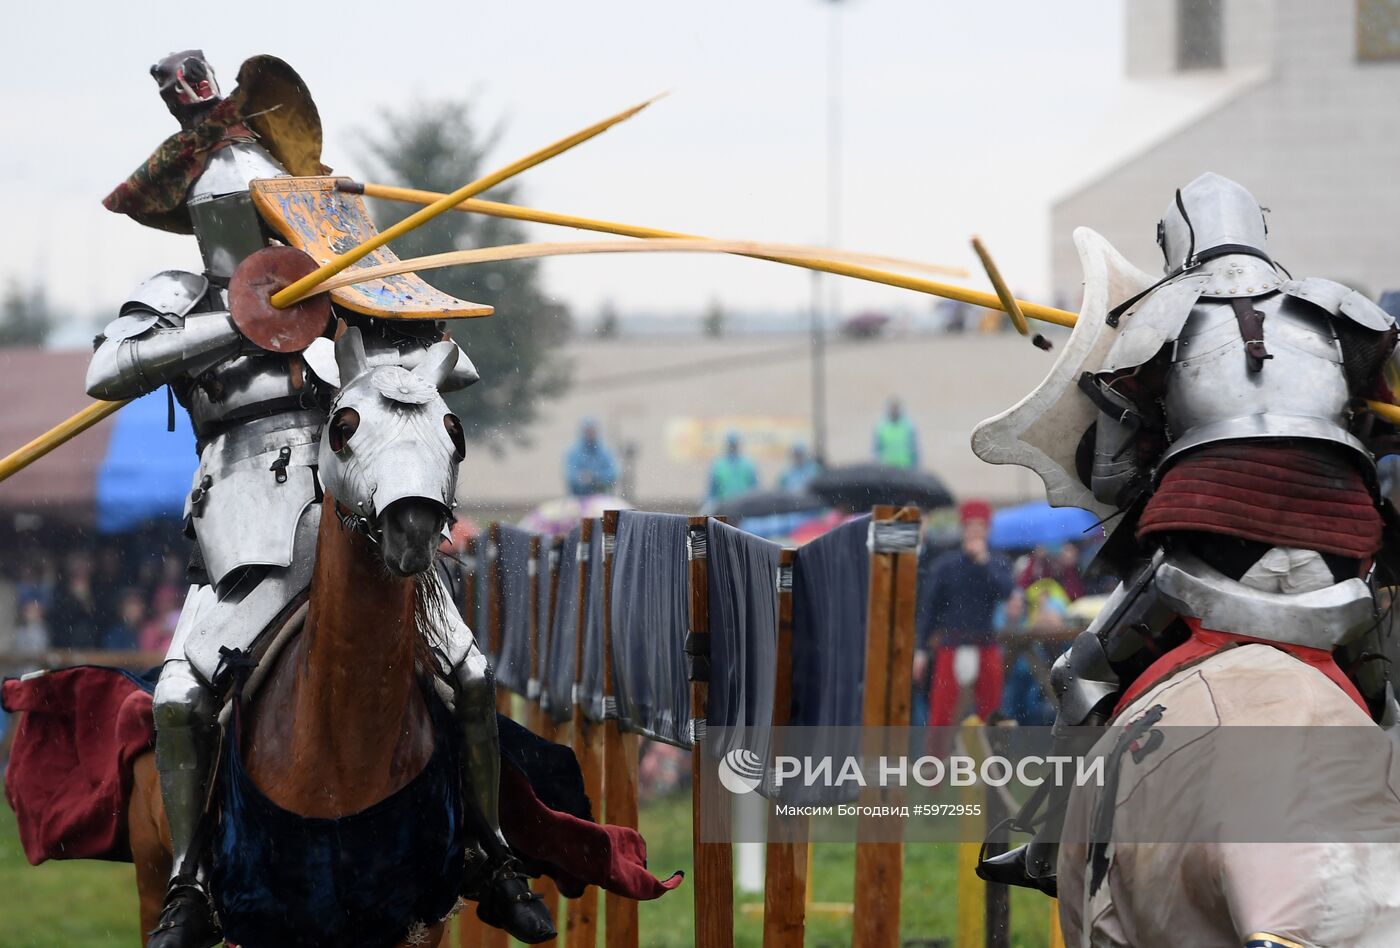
(1301,390)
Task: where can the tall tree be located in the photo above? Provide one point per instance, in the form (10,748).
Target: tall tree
(25,318)
(436,146)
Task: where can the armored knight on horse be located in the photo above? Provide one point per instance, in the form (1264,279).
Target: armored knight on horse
(1215,418)
(258,415)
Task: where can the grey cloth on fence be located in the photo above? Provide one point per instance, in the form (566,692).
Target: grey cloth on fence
(543,624)
(743,580)
(650,615)
(591,679)
(513,567)
(558,675)
(830,601)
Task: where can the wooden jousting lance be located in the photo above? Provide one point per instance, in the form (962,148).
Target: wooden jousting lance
(1002,300)
(72,427)
(537,216)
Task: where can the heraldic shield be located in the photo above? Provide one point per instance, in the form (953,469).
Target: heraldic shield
(313,216)
(1043,431)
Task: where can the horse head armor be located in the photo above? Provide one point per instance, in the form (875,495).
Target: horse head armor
(392,446)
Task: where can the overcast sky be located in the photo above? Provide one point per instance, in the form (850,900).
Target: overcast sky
(960,118)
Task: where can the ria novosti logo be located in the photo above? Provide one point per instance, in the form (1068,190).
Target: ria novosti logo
(740,771)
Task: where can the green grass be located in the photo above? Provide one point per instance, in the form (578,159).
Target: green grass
(93,904)
(928,913)
(80,903)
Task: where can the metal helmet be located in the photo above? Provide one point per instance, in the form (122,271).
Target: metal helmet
(187,85)
(225,222)
(1209,217)
(390,436)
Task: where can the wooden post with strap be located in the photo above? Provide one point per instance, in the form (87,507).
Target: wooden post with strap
(889,651)
(619,757)
(714,861)
(581,925)
(785,873)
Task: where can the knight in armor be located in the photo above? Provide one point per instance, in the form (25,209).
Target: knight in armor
(257,416)
(1236,472)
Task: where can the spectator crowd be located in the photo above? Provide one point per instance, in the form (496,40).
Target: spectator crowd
(91,599)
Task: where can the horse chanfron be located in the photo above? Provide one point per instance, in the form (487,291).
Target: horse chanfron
(392,449)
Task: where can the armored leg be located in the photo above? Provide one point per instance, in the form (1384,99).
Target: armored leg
(187,731)
(503,896)
(474,690)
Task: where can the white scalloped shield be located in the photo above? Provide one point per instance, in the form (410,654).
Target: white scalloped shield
(1043,430)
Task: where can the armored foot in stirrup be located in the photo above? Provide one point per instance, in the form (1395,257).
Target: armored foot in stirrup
(504,901)
(1013,868)
(187,920)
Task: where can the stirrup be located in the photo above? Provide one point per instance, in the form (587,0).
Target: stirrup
(187,919)
(507,902)
(1013,867)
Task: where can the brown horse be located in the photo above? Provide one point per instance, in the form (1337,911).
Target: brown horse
(340,722)
(359,730)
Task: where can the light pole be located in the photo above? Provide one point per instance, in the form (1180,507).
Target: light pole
(833,231)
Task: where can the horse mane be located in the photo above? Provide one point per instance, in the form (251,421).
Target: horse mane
(432,609)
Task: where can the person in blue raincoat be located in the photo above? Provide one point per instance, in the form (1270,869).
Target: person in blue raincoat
(589,467)
(801,468)
(731,473)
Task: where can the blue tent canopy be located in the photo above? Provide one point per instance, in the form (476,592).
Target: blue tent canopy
(1038,524)
(147,471)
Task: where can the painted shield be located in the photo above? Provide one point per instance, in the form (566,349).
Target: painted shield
(311,215)
(1043,430)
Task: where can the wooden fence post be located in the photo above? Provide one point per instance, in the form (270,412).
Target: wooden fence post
(619,758)
(785,882)
(894,536)
(581,924)
(714,861)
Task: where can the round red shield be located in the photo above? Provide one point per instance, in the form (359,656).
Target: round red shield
(250,292)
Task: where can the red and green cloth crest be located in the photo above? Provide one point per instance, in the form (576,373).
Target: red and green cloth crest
(270,103)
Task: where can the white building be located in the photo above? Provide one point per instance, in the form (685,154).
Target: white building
(1298,100)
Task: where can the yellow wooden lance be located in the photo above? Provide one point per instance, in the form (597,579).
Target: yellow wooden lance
(1008,301)
(537,216)
(92,414)
(307,285)
(458,258)
(1003,300)
(63,431)
(1048,314)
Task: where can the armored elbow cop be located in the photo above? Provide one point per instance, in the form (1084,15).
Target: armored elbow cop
(1116,473)
(157,356)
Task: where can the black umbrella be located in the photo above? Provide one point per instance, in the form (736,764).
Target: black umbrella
(764,503)
(858,487)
